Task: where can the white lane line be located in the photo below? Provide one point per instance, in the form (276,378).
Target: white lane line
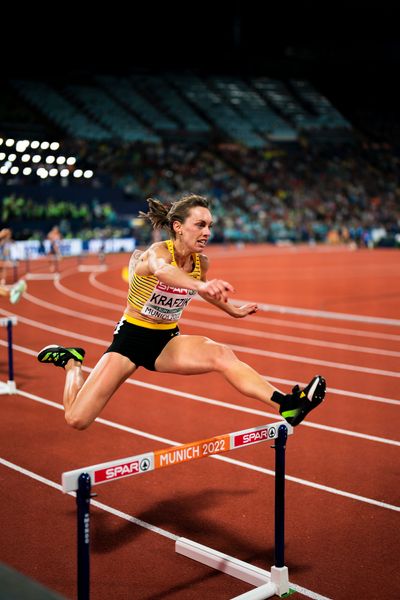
(105,344)
(293,310)
(89,299)
(269,321)
(255,351)
(314,361)
(314,485)
(105,288)
(238,330)
(67,311)
(109,509)
(243,409)
(131,519)
(325,314)
(226,459)
(349,332)
(290,338)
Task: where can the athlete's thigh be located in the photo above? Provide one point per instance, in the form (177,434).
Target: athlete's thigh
(188,355)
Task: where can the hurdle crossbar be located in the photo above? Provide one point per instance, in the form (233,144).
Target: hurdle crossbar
(81,481)
(9,387)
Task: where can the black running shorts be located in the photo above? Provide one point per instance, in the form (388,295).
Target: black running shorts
(140,344)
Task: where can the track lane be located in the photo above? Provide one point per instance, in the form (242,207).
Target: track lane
(359,561)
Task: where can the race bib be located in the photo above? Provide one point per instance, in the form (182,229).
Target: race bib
(167,302)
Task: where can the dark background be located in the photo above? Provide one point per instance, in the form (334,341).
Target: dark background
(350,51)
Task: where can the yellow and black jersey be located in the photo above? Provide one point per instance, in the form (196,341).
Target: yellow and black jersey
(157,300)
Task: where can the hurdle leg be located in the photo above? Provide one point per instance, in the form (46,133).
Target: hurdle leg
(83,516)
(9,387)
(10,353)
(279,573)
(279,579)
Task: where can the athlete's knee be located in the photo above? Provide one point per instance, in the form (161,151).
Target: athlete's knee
(223,357)
(76,420)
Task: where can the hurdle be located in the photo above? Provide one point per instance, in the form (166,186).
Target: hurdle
(9,387)
(268,583)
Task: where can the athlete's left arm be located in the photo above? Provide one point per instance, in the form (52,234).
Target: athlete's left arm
(234,311)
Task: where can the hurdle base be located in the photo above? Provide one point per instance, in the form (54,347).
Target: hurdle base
(8,388)
(274,583)
(259,593)
(280,578)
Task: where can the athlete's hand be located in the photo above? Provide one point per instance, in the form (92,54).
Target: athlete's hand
(243,311)
(216,289)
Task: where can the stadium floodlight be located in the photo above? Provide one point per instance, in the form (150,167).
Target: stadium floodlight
(60,160)
(41,172)
(50,159)
(2,155)
(71,160)
(27,171)
(78,173)
(44,145)
(3,170)
(88,174)
(64,173)
(54,146)
(14,170)
(37,158)
(53,172)
(1,141)
(12,157)
(10,142)
(22,145)
(25,158)
(35,144)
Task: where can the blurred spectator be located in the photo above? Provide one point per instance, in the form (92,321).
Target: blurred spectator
(5,250)
(54,236)
(313,193)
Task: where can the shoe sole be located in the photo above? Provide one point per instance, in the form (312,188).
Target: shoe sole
(54,346)
(47,348)
(313,399)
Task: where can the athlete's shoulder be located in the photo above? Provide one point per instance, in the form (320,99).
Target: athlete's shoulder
(160,248)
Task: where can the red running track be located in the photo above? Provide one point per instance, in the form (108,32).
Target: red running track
(342,491)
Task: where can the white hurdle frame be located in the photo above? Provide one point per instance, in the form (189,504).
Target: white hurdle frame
(269,584)
(9,387)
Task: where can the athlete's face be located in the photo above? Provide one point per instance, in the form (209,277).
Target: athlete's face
(195,231)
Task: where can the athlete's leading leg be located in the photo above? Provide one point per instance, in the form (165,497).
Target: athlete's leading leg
(193,355)
(196,354)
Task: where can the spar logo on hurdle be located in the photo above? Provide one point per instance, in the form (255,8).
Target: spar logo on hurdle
(252,436)
(115,469)
(269,584)
(140,464)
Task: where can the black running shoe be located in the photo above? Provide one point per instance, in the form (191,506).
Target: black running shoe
(59,356)
(295,407)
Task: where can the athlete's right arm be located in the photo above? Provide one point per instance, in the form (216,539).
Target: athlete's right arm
(133,261)
(157,261)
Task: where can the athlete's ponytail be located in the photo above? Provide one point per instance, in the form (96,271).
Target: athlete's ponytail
(162,216)
(157,214)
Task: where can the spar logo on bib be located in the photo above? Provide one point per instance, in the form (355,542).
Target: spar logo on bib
(163,287)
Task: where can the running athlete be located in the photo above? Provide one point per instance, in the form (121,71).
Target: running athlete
(162,281)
